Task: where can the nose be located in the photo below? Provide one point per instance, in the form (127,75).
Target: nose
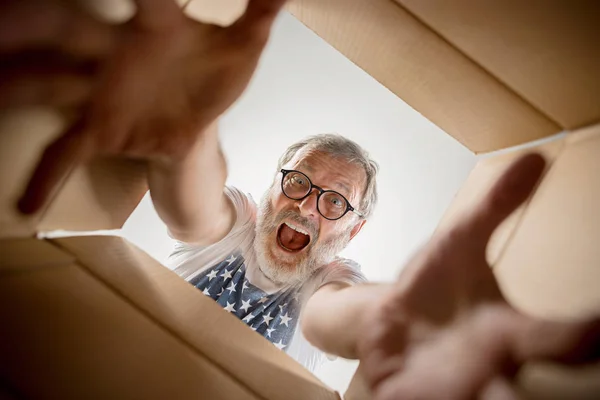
(308,206)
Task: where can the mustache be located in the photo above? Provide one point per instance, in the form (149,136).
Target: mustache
(293,216)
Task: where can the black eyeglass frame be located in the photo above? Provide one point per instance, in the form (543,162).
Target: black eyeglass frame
(321,191)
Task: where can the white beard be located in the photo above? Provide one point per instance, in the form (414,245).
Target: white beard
(312,258)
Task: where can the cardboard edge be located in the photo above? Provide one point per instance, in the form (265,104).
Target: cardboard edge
(174,331)
(532,124)
(119,294)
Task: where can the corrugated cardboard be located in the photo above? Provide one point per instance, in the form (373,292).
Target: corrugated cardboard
(491,74)
(545,50)
(102,319)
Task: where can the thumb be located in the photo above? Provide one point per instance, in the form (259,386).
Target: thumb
(510,191)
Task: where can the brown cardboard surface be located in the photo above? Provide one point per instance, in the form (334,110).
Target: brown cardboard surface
(66,335)
(550,268)
(545,50)
(173,303)
(426,71)
(40,254)
(358,388)
(117,323)
(481,179)
(100,195)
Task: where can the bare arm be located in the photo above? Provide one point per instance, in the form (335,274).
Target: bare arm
(188,192)
(334,316)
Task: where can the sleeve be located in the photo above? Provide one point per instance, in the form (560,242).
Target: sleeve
(245,209)
(341,270)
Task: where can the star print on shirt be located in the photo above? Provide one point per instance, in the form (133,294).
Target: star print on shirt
(267,318)
(272,315)
(280,345)
(245,305)
(231,288)
(226,275)
(212,275)
(231,259)
(285,319)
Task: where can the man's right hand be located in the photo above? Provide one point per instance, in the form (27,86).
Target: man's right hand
(161,78)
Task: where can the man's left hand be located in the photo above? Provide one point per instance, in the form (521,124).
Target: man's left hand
(445,331)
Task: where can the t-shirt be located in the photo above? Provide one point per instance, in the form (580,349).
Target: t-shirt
(227,272)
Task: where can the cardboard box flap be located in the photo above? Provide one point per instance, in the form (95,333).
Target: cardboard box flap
(18,255)
(100,195)
(67,335)
(558,238)
(187,313)
(480,180)
(546,51)
(426,71)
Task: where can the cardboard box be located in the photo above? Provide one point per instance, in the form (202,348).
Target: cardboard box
(103,320)
(495,75)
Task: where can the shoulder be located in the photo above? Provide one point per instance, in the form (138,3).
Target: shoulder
(342,270)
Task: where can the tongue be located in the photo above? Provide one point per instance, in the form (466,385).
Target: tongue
(291,239)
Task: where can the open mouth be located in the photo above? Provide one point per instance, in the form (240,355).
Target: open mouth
(292,238)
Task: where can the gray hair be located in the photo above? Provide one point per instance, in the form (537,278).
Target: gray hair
(348,150)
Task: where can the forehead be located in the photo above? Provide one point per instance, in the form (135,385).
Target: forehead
(330,172)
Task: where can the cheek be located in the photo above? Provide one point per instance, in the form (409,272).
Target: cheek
(329,230)
(279,201)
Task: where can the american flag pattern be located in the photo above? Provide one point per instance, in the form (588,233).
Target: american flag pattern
(273,316)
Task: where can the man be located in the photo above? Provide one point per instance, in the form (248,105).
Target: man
(265,263)
(155,88)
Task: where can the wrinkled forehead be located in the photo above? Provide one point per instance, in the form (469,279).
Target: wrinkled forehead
(330,172)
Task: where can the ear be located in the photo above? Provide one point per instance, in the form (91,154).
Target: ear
(357,228)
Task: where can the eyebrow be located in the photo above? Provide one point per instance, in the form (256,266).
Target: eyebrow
(339,185)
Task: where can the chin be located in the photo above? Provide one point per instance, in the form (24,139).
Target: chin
(280,265)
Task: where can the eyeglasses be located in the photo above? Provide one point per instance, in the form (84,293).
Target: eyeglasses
(330,204)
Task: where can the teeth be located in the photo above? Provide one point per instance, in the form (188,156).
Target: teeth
(297,229)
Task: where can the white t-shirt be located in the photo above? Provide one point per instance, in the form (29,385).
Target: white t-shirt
(227,271)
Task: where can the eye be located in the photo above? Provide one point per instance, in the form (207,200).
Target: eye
(299,180)
(337,202)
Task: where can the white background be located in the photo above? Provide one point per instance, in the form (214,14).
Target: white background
(303,86)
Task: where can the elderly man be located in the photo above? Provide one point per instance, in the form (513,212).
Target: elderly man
(153,88)
(263,263)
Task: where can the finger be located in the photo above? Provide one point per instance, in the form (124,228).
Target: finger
(498,388)
(157,12)
(571,343)
(58,160)
(34,24)
(256,22)
(507,194)
(38,79)
(57,90)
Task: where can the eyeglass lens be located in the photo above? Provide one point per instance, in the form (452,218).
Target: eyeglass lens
(331,204)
